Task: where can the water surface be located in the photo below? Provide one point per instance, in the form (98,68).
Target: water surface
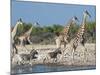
(40,68)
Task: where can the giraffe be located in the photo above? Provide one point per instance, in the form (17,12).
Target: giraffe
(63,36)
(25,37)
(79,38)
(13,35)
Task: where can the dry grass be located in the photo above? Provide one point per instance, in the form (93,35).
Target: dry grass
(81,56)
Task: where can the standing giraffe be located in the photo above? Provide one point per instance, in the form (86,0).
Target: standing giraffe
(80,34)
(63,36)
(13,35)
(25,37)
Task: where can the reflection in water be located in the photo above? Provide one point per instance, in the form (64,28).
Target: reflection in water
(45,68)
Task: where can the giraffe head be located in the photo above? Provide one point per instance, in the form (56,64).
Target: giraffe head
(20,22)
(74,19)
(18,25)
(86,13)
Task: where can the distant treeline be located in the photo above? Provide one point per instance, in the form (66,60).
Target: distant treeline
(47,33)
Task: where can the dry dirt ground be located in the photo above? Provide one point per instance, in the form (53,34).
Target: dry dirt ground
(82,56)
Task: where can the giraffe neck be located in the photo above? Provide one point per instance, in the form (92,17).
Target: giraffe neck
(84,22)
(14,31)
(66,29)
(81,31)
(28,32)
(82,28)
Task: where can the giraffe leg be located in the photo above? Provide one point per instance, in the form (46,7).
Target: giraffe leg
(73,53)
(15,50)
(58,43)
(64,44)
(85,57)
(65,41)
(28,39)
(55,60)
(84,52)
(21,42)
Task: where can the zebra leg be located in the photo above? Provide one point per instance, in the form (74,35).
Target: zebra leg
(55,60)
(19,63)
(44,60)
(30,62)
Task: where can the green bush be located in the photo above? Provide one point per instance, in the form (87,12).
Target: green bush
(90,33)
